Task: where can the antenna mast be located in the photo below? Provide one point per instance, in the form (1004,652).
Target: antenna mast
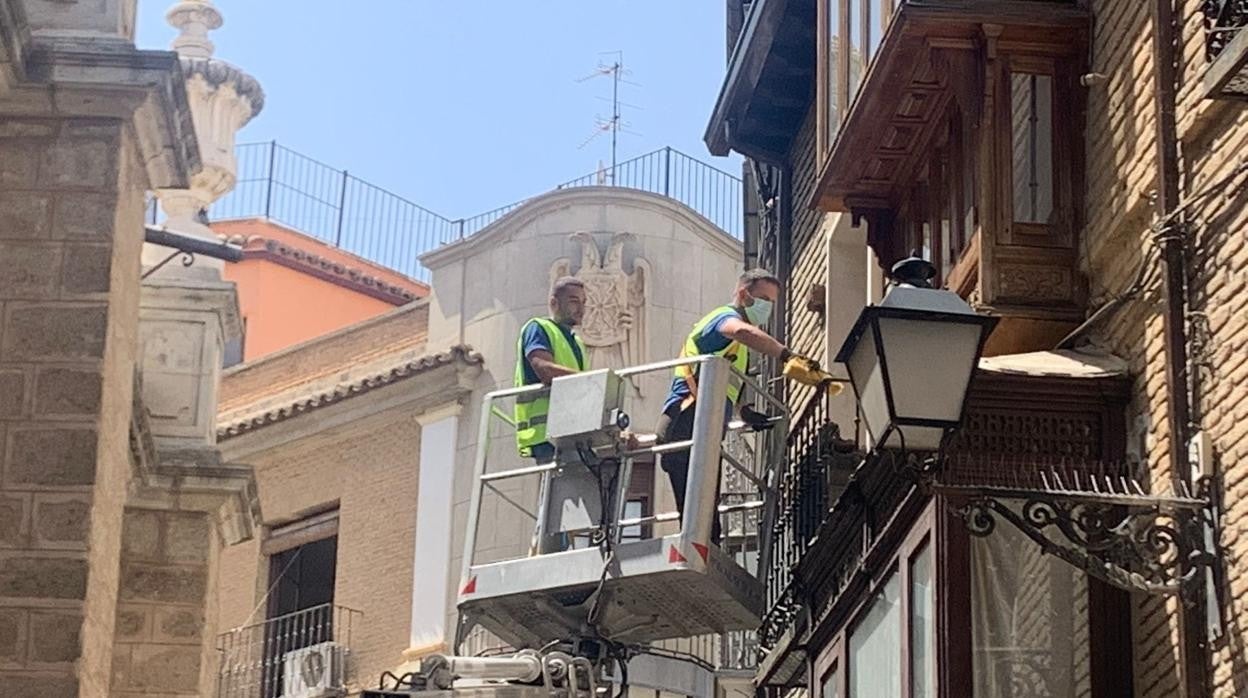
(615,124)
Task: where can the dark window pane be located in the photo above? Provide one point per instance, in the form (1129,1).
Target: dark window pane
(922,627)
(832,71)
(633,509)
(970,182)
(857,47)
(875,647)
(1032,125)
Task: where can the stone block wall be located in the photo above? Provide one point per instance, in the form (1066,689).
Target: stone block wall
(160,639)
(70,231)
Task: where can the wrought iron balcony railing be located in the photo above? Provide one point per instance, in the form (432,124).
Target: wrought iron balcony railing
(733,651)
(1223,20)
(808,486)
(311,648)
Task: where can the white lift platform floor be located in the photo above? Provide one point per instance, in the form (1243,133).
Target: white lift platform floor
(652,590)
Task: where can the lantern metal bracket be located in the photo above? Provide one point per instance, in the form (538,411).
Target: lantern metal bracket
(919,468)
(1109,528)
(188,258)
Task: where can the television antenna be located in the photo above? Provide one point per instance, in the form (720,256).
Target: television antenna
(615,124)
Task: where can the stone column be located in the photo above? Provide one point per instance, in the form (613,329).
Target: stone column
(160,633)
(166,620)
(164,637)
(185,503)
(87,125)
(438,448)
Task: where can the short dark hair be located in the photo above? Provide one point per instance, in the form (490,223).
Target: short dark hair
(755,275)
(564,283)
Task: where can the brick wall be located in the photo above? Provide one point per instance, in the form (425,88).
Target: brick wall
(369,470)
(1121,172)
(404,327)
(1214,137)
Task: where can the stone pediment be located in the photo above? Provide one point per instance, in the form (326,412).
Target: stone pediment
(509,225)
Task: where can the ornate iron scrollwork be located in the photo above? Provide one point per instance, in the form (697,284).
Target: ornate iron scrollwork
(1134,542)
(188,258)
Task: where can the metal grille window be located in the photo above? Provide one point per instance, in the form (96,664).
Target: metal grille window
(1226,49)
(1029,620)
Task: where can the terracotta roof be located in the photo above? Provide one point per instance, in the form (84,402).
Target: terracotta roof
(323,398)
(279,244)
(324,268)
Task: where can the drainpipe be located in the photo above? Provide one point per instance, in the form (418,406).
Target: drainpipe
(1194,650)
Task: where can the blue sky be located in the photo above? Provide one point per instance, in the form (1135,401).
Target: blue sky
(466,105)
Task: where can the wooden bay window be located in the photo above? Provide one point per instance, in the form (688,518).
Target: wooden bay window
(953,615)
(963,142)
(1034,122)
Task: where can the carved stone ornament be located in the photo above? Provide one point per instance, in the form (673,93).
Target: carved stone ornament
(614,325)
(223,98)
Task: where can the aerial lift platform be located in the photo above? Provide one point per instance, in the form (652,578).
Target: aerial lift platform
(571,612)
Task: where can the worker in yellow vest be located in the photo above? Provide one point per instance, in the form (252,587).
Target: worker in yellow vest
(728,331)
(548,348)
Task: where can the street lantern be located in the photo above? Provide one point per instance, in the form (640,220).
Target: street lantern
(911,359)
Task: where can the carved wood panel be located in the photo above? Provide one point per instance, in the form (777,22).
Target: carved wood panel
(1014,432)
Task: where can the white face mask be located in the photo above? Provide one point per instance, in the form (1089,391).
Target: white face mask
(760,312)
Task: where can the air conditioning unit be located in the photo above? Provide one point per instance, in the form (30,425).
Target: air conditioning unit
(315,671)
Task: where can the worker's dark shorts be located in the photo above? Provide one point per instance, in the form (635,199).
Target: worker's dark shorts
(542,453)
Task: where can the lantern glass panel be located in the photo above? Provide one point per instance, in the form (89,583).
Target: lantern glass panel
(868,378)
(929,364)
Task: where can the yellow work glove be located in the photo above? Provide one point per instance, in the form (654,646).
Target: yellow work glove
(804,370)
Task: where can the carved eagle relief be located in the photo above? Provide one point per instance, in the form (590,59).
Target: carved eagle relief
(614,323)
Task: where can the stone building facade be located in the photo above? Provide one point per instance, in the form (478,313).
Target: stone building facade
(113,499)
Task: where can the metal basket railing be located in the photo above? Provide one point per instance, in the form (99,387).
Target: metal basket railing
(257,660)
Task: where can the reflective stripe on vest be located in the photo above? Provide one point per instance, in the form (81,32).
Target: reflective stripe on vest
(734,352)
(532,408)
